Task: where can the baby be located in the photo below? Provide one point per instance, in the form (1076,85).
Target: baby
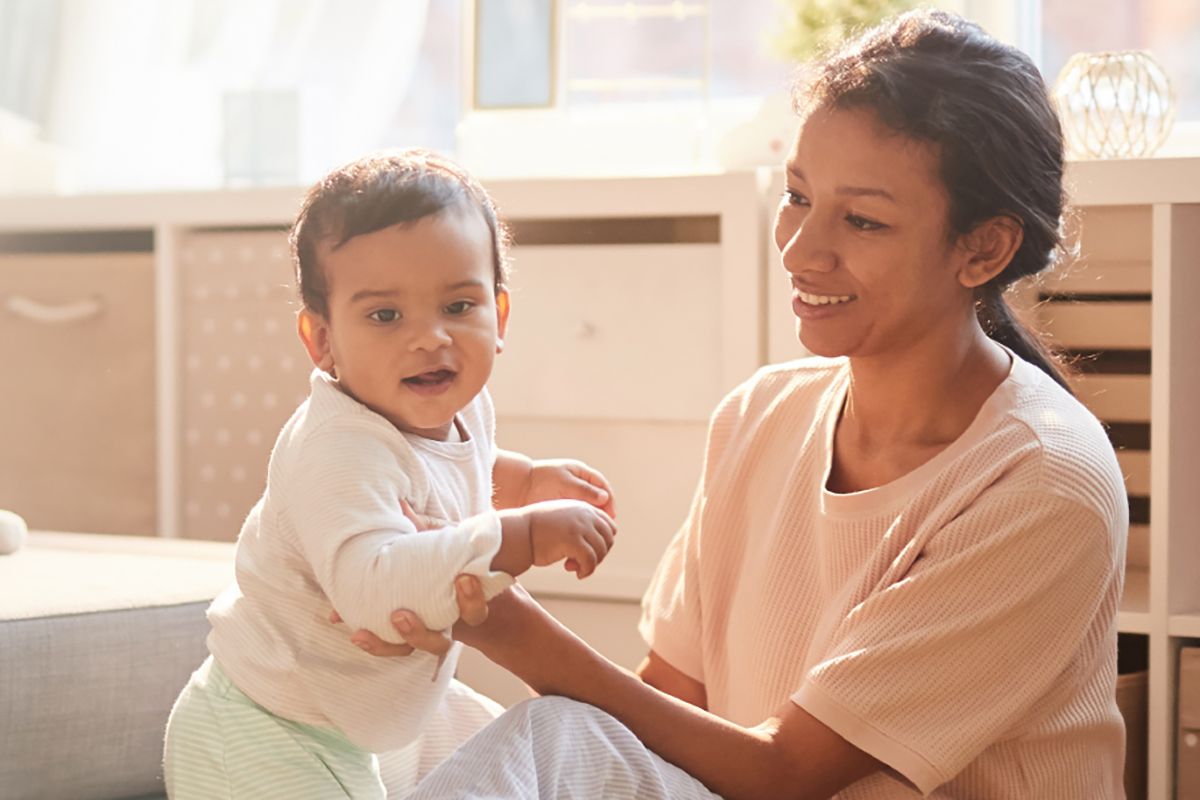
(400,261)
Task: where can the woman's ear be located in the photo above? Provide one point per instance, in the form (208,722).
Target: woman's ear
(314,332)
(990,247)
(503,306)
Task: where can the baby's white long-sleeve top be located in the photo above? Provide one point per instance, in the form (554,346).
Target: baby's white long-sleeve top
(329,533)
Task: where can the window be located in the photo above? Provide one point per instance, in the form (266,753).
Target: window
(191,94)
(1054,30)
(1169,29)
(114,95)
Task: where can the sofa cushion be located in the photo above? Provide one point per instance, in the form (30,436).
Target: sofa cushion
(97,636)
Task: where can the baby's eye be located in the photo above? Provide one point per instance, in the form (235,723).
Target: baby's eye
(459,307)
(385,315)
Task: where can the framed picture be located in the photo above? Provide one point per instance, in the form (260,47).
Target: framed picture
(515,54)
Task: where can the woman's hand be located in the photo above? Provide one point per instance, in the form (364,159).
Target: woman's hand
(472,609)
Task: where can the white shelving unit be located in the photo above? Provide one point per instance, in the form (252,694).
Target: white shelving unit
(1146,214)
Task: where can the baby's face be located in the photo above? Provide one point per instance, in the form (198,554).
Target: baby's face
(414,319)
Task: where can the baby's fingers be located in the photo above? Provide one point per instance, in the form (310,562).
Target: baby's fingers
(594,488)
(608,531)
(600,542)
(585,559)
(596,547)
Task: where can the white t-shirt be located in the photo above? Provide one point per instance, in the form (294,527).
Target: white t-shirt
(329,533)
(958,623)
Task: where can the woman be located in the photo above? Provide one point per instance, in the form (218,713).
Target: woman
(901,571)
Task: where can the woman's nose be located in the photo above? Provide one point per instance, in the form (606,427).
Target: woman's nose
(805,247)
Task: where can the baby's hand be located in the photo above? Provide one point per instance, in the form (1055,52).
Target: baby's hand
(570,531)
(567,479)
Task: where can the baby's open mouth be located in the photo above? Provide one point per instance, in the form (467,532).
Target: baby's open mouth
(432,378)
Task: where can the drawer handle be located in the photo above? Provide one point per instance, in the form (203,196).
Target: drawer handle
(54,315)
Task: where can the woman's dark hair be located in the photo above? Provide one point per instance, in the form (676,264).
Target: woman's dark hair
(377,192)
(935,77)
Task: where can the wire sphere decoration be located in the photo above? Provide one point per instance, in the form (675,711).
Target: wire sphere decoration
(1116,104)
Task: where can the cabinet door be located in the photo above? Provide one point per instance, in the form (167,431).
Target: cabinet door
(242,371)
(621,332)
(78,388)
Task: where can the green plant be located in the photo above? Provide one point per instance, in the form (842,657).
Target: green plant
(810,27)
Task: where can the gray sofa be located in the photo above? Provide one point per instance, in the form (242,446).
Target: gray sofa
(97,636)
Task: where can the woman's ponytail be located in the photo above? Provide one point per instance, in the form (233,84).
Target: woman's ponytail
(1000,322)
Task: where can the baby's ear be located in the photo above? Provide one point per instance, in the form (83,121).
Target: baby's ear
(314,332)
(503,306)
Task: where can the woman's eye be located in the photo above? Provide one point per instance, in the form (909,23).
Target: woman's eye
(864,224)
(385,315)
(459,307)
(794,198)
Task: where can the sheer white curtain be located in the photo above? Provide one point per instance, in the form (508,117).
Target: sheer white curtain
(140,87)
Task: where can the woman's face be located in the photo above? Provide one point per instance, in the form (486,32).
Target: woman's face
(863,234)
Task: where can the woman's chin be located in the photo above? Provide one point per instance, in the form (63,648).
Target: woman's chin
(823,348)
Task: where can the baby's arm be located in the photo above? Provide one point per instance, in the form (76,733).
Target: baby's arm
(518,480)
(511,475)
(341,498)
(369,574)
(556,530)
(369,559)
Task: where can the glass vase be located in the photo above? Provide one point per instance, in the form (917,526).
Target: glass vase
(1114,104)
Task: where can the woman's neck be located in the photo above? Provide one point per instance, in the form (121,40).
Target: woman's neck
(926,397)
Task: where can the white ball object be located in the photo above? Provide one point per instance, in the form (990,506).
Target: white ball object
(13,532)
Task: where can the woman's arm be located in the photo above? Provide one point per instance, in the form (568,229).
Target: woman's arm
(792,755)
(662,676)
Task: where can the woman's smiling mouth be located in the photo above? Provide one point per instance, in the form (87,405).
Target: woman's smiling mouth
(809,306)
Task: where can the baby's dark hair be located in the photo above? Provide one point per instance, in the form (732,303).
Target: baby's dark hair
(377,192)
(937,78)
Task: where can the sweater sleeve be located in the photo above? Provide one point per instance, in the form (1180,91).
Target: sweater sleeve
(672,607)
(988,624)
(343,500)
(671,622)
